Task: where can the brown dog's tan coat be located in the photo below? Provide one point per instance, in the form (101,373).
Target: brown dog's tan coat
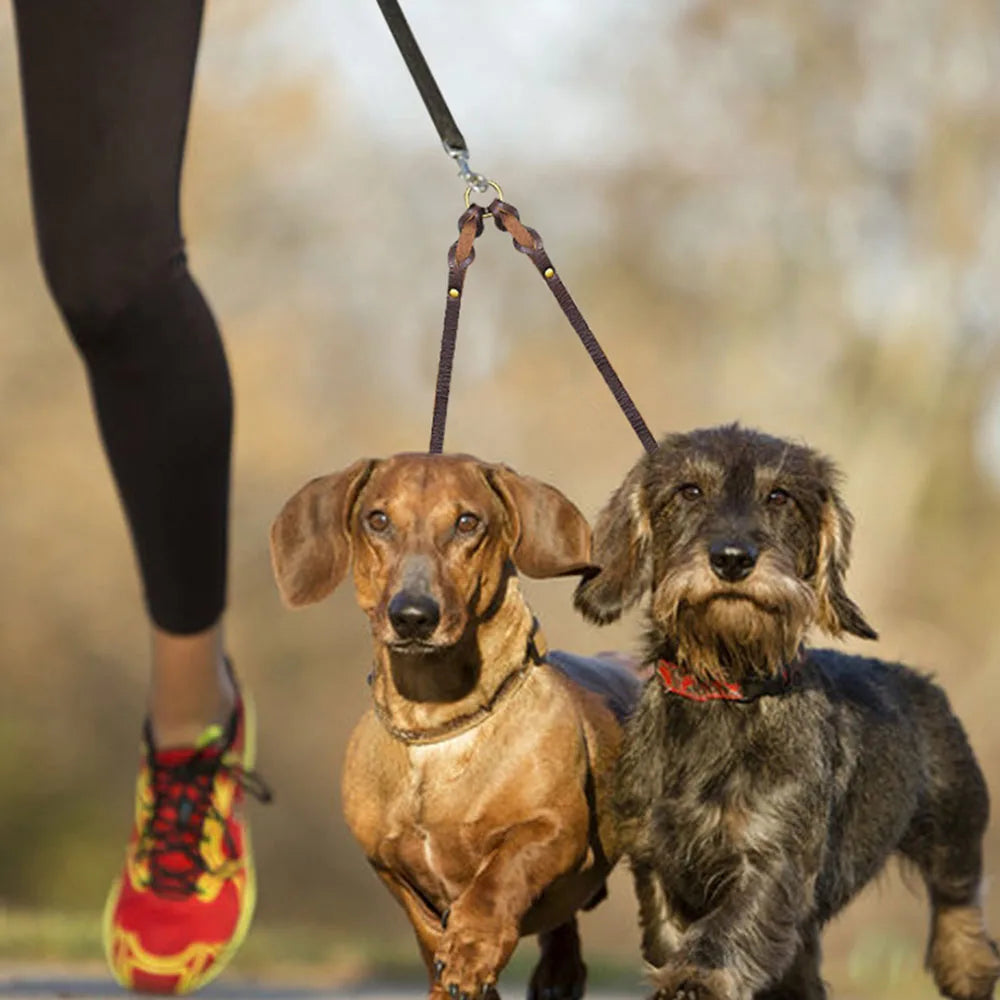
(478,783)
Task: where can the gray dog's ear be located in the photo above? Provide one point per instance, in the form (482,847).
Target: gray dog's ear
(550,535)
(310,538)
(622,539)
(836,612)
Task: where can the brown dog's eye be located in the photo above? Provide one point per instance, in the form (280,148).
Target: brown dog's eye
(690,491)
(466,524)
(778,497)
(378,520)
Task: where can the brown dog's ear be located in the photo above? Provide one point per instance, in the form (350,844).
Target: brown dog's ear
(550,537)
(622,538)
(836,612)
(310,538)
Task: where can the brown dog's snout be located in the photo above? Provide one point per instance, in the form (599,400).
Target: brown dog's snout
(414,611)
(413,614)
(732,559)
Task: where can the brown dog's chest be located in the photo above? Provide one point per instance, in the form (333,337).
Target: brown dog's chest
(433,815)
(426,837)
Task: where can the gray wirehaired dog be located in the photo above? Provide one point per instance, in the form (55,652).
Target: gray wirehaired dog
(763,783)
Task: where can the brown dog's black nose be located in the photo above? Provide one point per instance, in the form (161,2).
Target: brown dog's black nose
(732,561)
(413,616)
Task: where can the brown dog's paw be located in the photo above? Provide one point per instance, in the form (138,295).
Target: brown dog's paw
(438,992)
(469,959)
(691,982)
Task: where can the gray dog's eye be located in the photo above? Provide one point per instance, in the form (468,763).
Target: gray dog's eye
(690,491)
(378,520)
(777,497)
(466,524)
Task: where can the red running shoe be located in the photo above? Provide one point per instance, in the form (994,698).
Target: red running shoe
(186,896)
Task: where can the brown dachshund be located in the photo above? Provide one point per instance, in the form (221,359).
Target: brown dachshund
(478,784)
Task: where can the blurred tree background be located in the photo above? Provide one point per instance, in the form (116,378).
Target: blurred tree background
(786,213)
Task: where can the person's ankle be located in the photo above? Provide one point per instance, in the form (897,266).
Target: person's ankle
(171,731)
(192,687)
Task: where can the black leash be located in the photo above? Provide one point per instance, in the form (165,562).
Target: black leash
(470,226)
(448,131)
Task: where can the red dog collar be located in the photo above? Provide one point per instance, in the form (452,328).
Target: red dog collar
(676,681)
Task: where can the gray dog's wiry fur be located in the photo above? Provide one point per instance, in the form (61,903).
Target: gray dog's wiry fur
(751,823)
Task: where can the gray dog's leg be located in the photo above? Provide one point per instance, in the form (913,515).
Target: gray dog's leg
(945,841)
(802,981)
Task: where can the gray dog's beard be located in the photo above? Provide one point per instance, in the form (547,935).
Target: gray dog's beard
(727,640)
(730,632)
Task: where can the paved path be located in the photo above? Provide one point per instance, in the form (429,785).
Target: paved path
(44,984)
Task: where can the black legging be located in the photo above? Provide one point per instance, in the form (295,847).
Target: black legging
(106,86)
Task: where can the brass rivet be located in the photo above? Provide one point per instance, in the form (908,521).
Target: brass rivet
(453,292)
(548,272)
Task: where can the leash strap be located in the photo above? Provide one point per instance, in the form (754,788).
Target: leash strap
(529,242)
(451,137)
(449,133)
(470,226)
(460,256)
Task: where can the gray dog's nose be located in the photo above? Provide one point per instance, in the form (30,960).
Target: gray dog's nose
(413,616)
(732,561)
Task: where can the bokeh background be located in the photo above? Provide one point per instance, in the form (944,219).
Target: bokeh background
(785,213)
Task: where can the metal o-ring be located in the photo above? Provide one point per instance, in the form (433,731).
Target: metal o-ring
(468,196)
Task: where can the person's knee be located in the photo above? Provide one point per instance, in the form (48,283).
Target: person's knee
(93,277)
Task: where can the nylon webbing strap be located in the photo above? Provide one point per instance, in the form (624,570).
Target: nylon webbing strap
(452,138)
(460,256)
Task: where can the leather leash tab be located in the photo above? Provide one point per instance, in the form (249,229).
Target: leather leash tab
(460,256)
(529,242)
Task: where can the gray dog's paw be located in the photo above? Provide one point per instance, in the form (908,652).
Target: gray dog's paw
(687,991)
(691,982)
